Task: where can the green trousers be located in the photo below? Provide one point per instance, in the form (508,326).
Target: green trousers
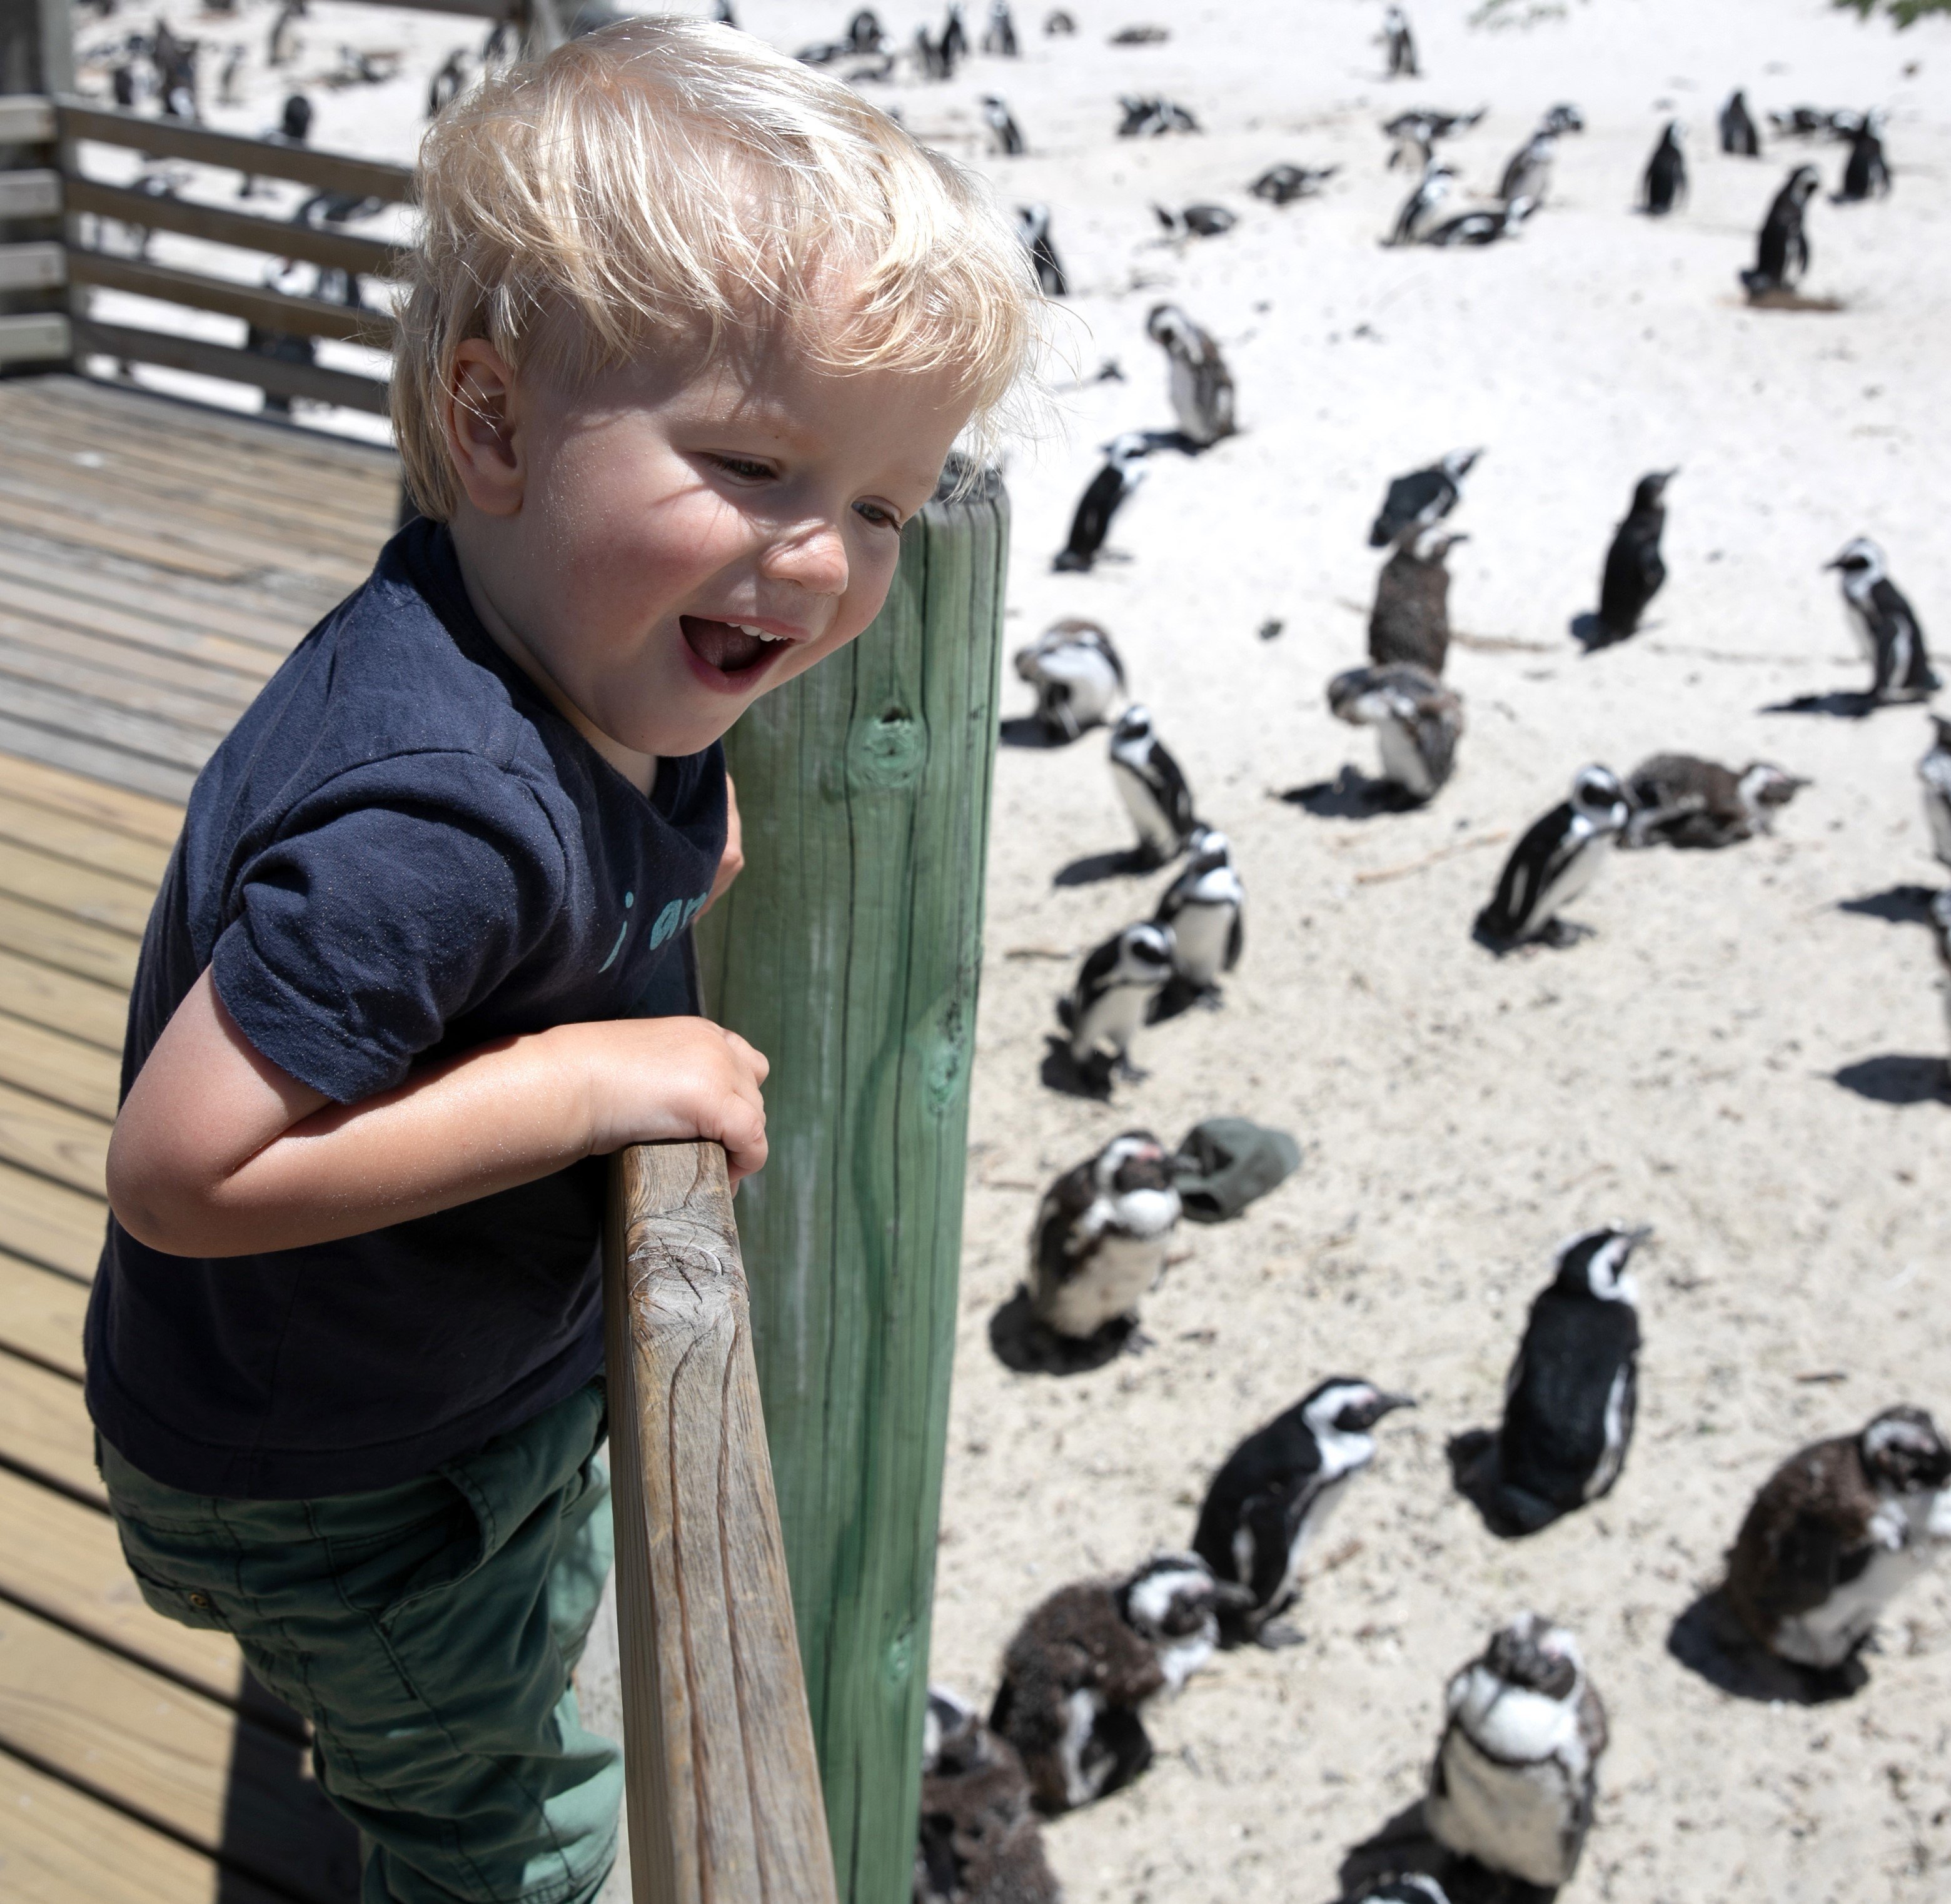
(427,1632)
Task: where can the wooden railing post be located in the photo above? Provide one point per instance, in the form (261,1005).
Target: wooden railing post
(723,1789)
(848,952)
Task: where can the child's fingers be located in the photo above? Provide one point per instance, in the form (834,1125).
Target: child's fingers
(761,1065)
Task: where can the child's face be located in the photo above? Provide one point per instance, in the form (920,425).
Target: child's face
(640,540)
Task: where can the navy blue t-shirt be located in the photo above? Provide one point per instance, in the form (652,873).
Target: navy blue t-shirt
(401,851)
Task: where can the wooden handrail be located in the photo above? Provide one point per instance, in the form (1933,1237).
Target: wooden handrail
(271,310)
(174,352)
(276,237)
(723,1788)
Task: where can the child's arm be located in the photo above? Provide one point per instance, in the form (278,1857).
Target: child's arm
(219,1153)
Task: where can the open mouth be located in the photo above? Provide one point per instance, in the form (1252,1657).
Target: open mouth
(731,647)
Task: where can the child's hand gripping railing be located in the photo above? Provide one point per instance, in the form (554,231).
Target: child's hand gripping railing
(724,1795)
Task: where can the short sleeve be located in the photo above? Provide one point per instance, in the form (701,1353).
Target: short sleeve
(389,902)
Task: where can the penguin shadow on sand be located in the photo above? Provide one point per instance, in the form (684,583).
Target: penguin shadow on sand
(1028,1347)
(1593,637)
(1405,1847)
(1026,730)
(1126,863)
(1477,1474)
(1352,795)
(1895,1077)
(1839,704)
(1709,1639)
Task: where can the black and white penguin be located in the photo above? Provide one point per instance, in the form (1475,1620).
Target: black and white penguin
(1884,624)
(1413,1887)
(1153,117)
(1664,184)
(1201,385)
(1836,1533)
(1103,495)
(1517,1771)
(1058,24)
(1195,221)
(1482,227)
(1634,571)
(295,119)
(1116,988)
(1562,119)
(232,71)
(1274,1492)
(1940,931)
(999,36)
(1866,175)
(1934,770)
(1003,129)
(1679,800)
(1102,1234)
(1572,1392)
(1420,207)
(1418,721)
(1410,621)
(1420,500)
(1528,174)
(1082,1668)
(1414,132)
(864,33)
(979,1841)
(1557,859)
(1401,45)
(1739,138)
(1152,788)
(1077,675)
(954,35)
(1206,909)
(446,84)
(1781,251)
(1280,185)
(1033,228)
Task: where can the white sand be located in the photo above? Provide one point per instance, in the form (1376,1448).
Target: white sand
(1461,1115)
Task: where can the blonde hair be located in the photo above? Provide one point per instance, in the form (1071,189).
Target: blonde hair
(665,183)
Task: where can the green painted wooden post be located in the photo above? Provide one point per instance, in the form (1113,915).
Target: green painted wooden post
(848,952)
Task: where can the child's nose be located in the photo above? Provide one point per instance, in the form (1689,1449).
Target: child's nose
(813,555)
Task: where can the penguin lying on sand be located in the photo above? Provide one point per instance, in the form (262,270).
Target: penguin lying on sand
(1572,1393)
(1516,1775)
(980,1842)
(1410,621)
(1418,721)
(1415,132)
(1077,676)
(1280,185)
(1421,499)
(1085,1663)
(1634,571)
(1201,385)
(1664,184)
(1554,862)
(1885,626)
(1837,1532)
(1103,495)
(1205,909)
(1195,221)
(1116,988)
(1274,1494)
(1934,770)
(1678,799)
(1482,227)
(1152,787)
(1781,251)
(1103,1231)
(1152,118)
(1739,139)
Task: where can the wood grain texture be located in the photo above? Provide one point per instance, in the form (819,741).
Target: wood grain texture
(94,1012)
(53,937)
(156,821)
(724,1792)
(41,1314)
(44,1428)
(52,1065)
(49,1224)
(848,952)
(69,1146)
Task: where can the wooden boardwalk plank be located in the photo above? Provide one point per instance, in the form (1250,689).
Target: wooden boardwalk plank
(46,830)
(101,759)
(49,1223)
(65,1561)
(142,667)
(96,1012)
(44,1427)
(41,1314)
(50,1064)
(63,713)
(63,525)
(157,821)
(70,1145)
(105,899)
(71,594)
(30,664)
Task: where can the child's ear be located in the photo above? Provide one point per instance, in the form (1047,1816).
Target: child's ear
(477,418)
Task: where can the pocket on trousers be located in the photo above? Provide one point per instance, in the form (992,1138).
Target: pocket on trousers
(187,1606)
(384,1574)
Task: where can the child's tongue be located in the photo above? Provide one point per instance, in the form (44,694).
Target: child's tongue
(728,649)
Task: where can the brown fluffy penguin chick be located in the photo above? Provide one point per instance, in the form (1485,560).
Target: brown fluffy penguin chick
(1678,799)
(1837,1532)
(979,1842)
(1410,622)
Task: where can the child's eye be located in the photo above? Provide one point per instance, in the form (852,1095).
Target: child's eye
(881,517)
(744,467)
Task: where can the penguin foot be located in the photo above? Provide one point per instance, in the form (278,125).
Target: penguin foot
(1278,1635)
(1212,1000)
(1124,1068)
(1560,933)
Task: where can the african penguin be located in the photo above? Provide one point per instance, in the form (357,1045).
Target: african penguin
(1033,228)
(1517,1771)
(1195,221)
(1153,117)
(1634,572)
(979,1840)
(864,33)
(954,34)
(1058,24)
(999,36)
(1866,175)
(1420,206)
(1940,930)
(1422,498)
(1781,250)
(1836,1532)
(1401,45)
(1102,1233)
(1529,175)
(1103,495)
(1885,626)
(1562,119)
(1152,788)
(1570,1396)
(1664,184)
(446,84)
(1280,185)
(1410,621)
(1481,227)
(1205,907)
(1077,675)
(1418,721)
(1084,1665)
(1003,127)
(1202,386)
(1415,132)
(1739,139)
(1678,799)
(1274,1494)
(1116,988)
(1555,861)
(1934,770)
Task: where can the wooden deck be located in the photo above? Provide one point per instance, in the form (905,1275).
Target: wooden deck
(157,561)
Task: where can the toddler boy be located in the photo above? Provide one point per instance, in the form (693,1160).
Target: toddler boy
(687,338)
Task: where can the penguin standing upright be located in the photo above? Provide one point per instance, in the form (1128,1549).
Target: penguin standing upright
(1152,788)
(1274,1492)
(1077,674)
(1410,621)
(1418,721)
(1867,174)
(1739,139)
(1529,175)
(1634,571)
(1082,1666)
(1781,251)
(979,1840)
(999,36)
(1104,494)
(954,35)
(1664,184)
(445,85)
(1885,626)
(1102,1233)
(1202,386)
(1836,1532)
(1003,127)
(1517,1771)
(1116,988)
(1421,499)
(1680,799)
(1571,1397)
(1033,228)
(1557,859)
(1934,770)
(1420,207)
(1401,45)
(1205,907)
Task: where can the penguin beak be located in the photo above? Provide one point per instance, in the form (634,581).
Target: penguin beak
(1388,1404)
